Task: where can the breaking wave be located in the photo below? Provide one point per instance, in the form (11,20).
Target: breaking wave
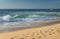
(25,18)
(28,17)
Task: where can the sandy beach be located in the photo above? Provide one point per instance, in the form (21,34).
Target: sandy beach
(49,29)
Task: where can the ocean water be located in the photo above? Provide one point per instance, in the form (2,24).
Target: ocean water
(21,17)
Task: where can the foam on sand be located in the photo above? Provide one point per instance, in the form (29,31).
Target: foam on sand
(47,32)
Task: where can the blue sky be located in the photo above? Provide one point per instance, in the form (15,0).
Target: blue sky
(29,4)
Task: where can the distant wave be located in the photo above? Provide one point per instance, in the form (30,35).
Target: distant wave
(34,16)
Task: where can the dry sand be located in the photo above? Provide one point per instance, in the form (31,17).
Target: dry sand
(46,32)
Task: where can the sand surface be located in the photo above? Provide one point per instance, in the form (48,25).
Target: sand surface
(10,28)
(46,32)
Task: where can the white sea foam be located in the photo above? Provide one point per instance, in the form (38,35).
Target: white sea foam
(6,18)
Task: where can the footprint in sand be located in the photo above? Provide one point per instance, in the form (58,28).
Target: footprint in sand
(34,33)
(40,31)
(21,38)
(43,33)
(12,38)
(38,34)
(50,34)
(46,31)
(53,32)
(33,38)
(27,35)
(39,37)
(58,30)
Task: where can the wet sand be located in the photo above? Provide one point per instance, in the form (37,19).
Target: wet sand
(47,32)
(39,30)
(37,24)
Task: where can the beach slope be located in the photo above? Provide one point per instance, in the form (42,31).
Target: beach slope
(46,32)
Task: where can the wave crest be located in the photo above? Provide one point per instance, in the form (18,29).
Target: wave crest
(26,17)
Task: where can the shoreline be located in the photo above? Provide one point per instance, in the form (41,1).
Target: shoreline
(30,25)
(47,32)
